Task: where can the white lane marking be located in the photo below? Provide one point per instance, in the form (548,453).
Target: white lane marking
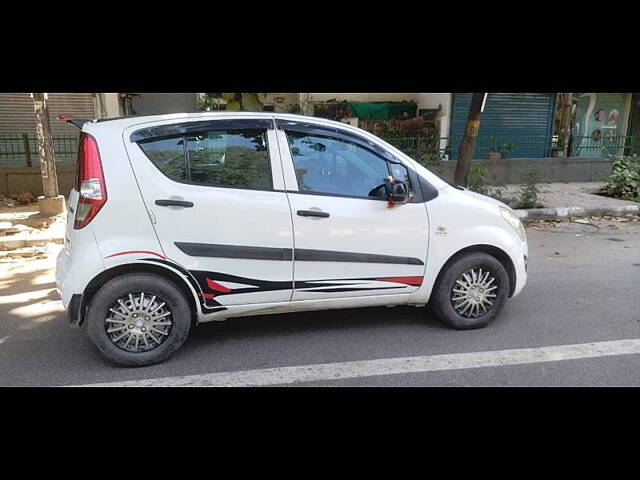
(390,366)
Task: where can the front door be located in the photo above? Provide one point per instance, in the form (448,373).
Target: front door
(210,186)
(348,242)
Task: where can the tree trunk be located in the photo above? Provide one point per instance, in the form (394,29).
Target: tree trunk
(468,145)
(45,146)
(565,121)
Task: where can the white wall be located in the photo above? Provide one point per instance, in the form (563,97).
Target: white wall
(110,105)
(159,103)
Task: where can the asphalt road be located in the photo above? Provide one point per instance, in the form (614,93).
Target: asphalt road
(583,287)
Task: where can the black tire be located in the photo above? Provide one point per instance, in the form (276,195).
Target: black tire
(120,287)
(442,305)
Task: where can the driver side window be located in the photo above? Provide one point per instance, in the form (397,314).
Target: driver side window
(331,165)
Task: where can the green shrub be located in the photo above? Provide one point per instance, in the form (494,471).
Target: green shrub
(477,179)
(528,197)
(624,180)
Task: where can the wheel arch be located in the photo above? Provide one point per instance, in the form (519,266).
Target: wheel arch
(139,267)
(496,252)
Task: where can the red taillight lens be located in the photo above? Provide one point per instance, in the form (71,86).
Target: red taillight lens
(90,182)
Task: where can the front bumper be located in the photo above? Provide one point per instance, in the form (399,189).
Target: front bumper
(521,273)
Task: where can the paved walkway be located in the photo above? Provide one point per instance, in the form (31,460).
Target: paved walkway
(553,195)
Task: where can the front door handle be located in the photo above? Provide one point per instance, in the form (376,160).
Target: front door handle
(174,203)
(313,213)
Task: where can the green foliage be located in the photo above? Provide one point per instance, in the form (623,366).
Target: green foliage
(624,180)
(528,197)
(332,110)
(424,148)
(294,108)
(505,149)
(249,102)
(477,179)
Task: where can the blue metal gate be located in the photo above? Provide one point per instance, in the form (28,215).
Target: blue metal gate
(519,123)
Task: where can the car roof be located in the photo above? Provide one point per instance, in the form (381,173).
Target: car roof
(123,122)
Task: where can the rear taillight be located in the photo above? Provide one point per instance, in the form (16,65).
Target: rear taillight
(89,182)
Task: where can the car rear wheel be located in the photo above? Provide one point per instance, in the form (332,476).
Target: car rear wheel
(138,319)
(471,292)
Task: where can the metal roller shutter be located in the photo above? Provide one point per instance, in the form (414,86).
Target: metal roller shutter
(17,119)
(17,116)
(524,120)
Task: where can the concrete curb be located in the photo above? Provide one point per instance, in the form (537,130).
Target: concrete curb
(565,212)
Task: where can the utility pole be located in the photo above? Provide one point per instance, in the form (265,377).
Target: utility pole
(468,144)
(52,203)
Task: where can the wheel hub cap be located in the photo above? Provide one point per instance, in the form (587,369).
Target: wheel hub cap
(139,322)
(474,293)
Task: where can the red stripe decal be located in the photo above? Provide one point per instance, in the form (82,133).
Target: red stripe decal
(417,281)
(130,252)
(216,287)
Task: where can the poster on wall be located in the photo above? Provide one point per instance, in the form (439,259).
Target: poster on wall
(598,123)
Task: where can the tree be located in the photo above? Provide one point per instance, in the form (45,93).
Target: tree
(51,203)
(468,144)
(566,106)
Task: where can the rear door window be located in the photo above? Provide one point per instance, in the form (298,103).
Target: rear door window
(168,154)
(214,158)
(236,159)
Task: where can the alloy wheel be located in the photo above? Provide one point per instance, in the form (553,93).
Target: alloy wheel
(474,292)
(138,322)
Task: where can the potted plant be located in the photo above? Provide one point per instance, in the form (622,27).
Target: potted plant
(499,152)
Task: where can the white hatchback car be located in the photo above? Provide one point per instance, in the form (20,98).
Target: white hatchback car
(187,218)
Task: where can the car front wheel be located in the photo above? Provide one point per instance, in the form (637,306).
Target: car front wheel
(471,292)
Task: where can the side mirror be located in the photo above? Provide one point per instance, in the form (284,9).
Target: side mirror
(397,192)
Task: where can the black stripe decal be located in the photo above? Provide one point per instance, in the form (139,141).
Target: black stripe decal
(233,251)
(285,254)
(208,305)
(305,255)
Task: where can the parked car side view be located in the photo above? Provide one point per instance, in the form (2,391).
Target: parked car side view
(181,219)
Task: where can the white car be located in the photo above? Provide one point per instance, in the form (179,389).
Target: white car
(181,219)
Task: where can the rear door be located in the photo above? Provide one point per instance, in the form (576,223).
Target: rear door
(211,188)
(348,242)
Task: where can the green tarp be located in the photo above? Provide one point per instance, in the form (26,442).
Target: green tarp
(382,110)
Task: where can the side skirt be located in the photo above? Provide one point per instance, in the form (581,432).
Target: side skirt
(306,305)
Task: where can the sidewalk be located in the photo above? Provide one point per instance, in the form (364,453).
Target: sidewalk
(561,200)
(25,233)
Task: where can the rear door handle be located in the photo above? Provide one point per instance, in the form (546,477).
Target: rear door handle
(174,203)
(312,213)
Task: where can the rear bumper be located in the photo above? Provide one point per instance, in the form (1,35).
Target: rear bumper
(73,311)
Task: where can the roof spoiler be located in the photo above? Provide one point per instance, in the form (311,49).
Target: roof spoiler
(76,122)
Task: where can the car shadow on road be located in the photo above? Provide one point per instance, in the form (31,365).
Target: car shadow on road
(302,323)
